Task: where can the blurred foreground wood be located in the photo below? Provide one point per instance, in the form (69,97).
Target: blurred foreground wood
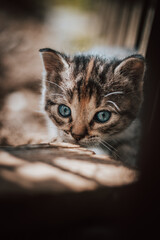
(59,167)
(57,187)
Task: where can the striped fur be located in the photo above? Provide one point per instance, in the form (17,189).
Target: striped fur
(88,84)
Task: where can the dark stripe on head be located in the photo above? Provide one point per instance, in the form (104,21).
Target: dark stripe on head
(96,67)
(80,64)
(93,88)
(85,62)
(69,92)
(76,66)
(102,76)
(79,86)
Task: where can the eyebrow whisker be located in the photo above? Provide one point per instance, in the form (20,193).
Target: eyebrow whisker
(56,85)
(112,93)
(109,101)
(57,94)
(113,109)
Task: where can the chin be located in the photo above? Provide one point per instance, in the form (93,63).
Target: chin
(89,143)
(83,143)
(69,140)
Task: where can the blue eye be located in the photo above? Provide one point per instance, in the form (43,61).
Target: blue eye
(64,111)
(102,116)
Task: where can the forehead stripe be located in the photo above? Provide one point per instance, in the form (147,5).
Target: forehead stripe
(89,69)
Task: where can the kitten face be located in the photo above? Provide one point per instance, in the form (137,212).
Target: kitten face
(90,99)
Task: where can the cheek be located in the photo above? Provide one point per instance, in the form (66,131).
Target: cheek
(105,128)
(66,137)
(93,132)
(60,122)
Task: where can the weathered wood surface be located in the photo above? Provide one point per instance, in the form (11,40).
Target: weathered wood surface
(59,189)
(59,168)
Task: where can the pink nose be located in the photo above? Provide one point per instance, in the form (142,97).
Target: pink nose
(78,137)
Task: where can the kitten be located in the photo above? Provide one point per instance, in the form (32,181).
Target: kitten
(94,102)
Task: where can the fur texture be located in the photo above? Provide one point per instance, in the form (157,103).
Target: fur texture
(88,84)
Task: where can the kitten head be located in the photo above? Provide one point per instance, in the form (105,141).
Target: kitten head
(90,98)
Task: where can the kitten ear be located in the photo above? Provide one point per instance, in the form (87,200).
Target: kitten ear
(53,60)
(132,67)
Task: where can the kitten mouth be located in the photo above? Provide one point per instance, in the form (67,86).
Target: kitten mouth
(89,142)
(72,141)
(85,142)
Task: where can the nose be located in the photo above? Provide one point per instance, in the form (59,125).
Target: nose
(78,137)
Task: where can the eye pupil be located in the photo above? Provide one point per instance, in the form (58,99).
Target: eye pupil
(64,111)
(102,116)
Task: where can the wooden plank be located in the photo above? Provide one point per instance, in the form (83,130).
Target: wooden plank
(60,167)
(55,186)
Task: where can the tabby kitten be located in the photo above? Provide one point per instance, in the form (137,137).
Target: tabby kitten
(94,102)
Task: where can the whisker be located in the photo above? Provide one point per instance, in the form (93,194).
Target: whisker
(113,109)
(133,91)
(106,145)
(112,93)
(114,105)
(56,85)
(110,145)
(57,94)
